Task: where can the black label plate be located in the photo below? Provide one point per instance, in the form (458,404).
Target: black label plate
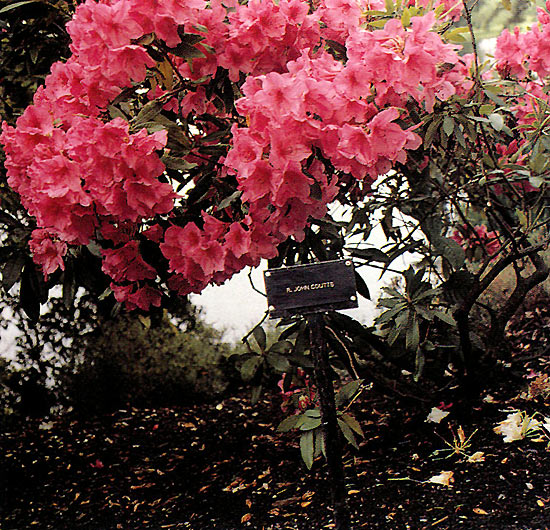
(312,288)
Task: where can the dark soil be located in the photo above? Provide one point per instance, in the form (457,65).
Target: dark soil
(224,466)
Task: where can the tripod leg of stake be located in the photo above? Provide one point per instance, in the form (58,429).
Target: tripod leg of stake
(329,421)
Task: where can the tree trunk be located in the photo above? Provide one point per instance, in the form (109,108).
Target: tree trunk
(331,433)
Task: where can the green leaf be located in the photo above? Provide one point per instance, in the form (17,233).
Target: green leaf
(378,24)
(301,360)
(115,112)
(492,93)
(369,254)
(348,433)
(353,424)
(11,271)
(460,136)
(428,293)
(250,367)
(288,423)
(450,250)
(454,35)
(69,286)
(179,164)
(319,439)
(228,200)
(406,17)
(278,361)
(445,317)
(362,288)
(310,423)
(386,316)
(307,448)
(148,112)
(256,393)
(486,109)
(348,392)
(18,4)
(187,51)
(432,130)
(282,346)
(419,364)
(313,413)
(448,125)
(301,344)
(412,336)
(260,337)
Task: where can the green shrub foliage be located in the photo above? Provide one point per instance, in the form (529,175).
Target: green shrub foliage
(128,361)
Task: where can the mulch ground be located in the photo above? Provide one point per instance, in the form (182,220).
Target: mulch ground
(223,465)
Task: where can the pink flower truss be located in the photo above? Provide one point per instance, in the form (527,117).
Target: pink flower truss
(85,177)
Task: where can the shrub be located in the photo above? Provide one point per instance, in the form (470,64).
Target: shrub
(128,361)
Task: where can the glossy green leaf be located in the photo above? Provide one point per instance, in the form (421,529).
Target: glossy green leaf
(250,367)
(412,335)
(288,423)
(11,270)
(362,287)
(310,423)
(260,337)
(348,433)
(281,346)
(148,112)
(277,361)
(307,448)
(445,317)
(450,250)
(419,363)
(448,125)
(369,254)
(319,440)
(228,200)
(348,392)
(187,51)
(353,424)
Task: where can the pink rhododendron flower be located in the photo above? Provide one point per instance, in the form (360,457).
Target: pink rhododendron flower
(482,238)
(309,124)
(126,263)
(47,252)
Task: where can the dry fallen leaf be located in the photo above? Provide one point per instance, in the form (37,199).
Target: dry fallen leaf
(517,426)
(480,511)
(478,456)
(445,478)
(436,415)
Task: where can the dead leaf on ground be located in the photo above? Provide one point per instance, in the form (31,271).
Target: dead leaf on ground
(445,478)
